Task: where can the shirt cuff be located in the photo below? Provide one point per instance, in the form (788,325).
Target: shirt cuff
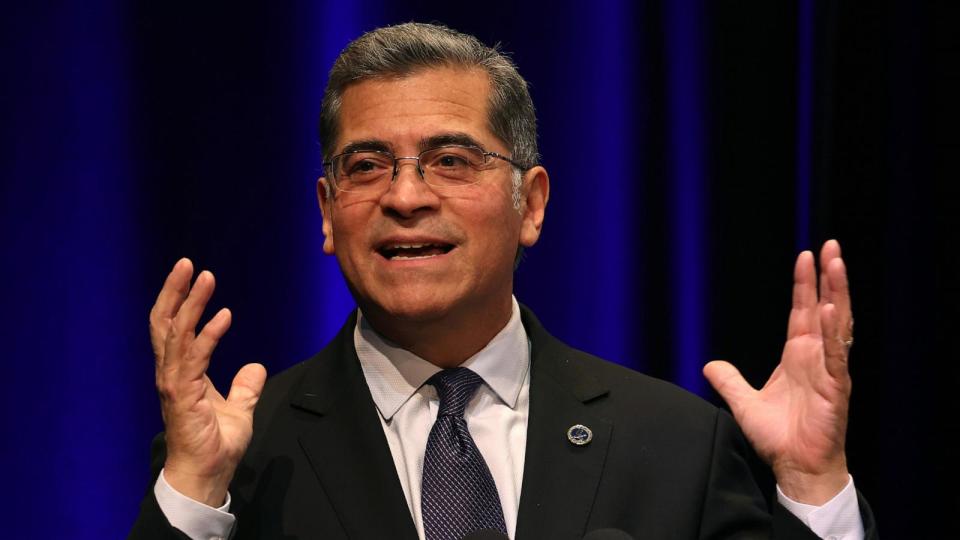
(838,519)
(193,518)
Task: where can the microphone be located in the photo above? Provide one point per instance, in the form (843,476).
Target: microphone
(486,534)
(607,534)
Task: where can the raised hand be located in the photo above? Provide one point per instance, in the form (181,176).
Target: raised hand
(798,421)
(206,434)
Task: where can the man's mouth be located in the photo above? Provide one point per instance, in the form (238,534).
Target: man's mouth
(396,252)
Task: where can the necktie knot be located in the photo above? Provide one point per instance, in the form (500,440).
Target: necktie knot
(454,387)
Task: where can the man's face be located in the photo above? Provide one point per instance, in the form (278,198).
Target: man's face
(469,234)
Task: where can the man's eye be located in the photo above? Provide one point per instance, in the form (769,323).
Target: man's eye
(450,161)
(365,167)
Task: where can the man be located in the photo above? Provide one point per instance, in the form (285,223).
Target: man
(443,407)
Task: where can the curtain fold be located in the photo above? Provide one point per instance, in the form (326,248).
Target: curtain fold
(693,148)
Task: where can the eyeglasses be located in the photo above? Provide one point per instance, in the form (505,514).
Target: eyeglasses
(442,167)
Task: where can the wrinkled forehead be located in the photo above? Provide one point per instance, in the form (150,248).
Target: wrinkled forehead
(416,105)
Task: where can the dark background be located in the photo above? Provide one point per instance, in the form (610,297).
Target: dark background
(694,149)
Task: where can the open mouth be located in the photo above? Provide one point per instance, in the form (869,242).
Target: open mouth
(413,251)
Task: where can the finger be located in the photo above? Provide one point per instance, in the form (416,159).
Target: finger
(182,332)
(829,252)
(803,314)
(198,355)
(247,386)
(187,317)
(839,288)
(172,294)
(729,383)
(834,348)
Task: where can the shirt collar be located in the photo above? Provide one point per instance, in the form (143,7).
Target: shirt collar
(394,374)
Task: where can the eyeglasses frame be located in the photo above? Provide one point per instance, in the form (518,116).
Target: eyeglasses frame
(396,163)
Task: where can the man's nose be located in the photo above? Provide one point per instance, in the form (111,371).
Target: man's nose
(408,193)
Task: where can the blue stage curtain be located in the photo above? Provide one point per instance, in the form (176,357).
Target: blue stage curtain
(693,148)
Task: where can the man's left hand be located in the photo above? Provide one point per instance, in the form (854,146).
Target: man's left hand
(798,421)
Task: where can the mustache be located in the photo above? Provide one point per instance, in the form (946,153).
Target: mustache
(429,227)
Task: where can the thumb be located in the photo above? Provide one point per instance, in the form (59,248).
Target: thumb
(247,386)
(729,383)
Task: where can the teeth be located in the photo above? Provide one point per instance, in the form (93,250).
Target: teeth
(410,246)
(408,258)
(414,250)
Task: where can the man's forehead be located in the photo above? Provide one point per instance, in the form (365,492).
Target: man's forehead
(465,86)
(422,108)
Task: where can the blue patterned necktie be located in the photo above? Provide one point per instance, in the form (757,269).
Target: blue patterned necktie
(458,495)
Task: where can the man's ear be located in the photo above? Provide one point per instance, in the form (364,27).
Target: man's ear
(325,198)
(536,193)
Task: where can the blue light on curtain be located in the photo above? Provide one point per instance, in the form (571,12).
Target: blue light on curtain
(76,362)
(610,297)
(587,255)
(325,29)
(688,182)
(130,128)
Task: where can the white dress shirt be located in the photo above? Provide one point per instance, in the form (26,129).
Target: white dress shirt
(496,417)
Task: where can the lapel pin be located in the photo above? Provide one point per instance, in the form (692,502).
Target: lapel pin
(579,435)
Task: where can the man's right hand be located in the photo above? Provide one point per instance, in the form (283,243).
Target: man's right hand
(206,434)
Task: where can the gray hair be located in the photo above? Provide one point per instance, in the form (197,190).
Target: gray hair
(397,51)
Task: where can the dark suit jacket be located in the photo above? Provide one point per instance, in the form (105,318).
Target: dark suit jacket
(662,463)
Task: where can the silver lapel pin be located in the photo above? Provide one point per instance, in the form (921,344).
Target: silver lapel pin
(579,434)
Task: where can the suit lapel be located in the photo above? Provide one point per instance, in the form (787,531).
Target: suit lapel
(346,447)
(349,454)
(560,479)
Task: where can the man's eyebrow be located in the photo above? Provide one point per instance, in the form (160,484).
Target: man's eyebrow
(442,139)
(445,139)
(366,145)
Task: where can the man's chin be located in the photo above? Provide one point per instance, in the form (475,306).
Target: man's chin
(407,308)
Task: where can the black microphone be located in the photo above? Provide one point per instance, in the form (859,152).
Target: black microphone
(607,534)
(486,534)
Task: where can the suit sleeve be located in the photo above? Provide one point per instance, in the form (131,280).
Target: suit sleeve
(151,524)
(733,505)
